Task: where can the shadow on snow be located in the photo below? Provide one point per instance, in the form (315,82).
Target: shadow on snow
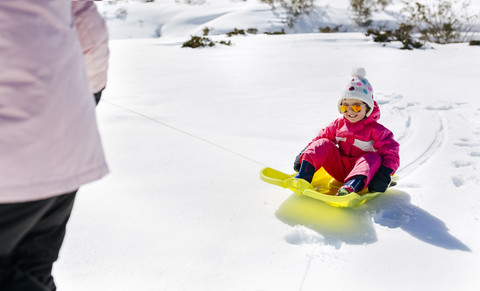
(356,225)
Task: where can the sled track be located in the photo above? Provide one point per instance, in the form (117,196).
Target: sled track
(410,138)
(408,132)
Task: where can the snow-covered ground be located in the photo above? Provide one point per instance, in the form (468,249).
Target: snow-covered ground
(187,131)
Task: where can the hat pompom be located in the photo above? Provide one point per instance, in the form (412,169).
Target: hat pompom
(359,72)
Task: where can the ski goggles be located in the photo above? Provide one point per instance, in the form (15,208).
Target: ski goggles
(356,108)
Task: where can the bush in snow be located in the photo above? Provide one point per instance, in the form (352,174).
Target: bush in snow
(236,32)
(198,41)
(121,13)
(380,36)
(275,32)
(402,34)
(442,21)
(191,2)
(328,29)
(114,2)
(363,10)
(292,8)
(203,41)
(206,31)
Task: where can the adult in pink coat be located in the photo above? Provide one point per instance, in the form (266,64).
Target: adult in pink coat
(49,142)
(354,149)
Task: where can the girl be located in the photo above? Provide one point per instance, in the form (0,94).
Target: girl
(354,148)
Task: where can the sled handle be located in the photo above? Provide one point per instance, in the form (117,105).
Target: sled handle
(274,177)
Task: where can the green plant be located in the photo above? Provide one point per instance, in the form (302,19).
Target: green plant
(113,2)
(328,29)
(203,41)
(198,41)
(380,36)
(275,32)
(206,31)
(121,13)
(191,2)
(363,10)
(444,21)
(292,8)
(229,43)
(236,32)
(403,34)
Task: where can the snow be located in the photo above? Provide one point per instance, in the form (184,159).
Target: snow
(186,132)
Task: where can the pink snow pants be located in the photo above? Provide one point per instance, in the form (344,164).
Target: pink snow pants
(324,153)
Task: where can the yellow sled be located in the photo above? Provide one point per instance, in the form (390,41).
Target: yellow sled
(323,187)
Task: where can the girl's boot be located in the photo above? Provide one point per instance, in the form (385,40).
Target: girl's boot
(306,172)
(355,184)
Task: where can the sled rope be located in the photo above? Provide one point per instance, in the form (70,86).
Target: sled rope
(184,132)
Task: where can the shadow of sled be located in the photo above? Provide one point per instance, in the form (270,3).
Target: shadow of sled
(355,225)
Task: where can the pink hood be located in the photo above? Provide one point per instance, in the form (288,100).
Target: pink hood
(355,139)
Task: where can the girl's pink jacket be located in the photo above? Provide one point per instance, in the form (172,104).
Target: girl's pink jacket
(355,139)
(49,142)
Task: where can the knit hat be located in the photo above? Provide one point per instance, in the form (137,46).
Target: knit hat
(358,88)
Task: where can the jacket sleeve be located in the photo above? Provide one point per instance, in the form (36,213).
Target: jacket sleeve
(93,36)
(327,132)
(388,148)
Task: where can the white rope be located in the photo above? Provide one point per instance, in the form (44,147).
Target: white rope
(183,132)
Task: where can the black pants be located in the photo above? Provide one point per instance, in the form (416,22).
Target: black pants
(31,235)
(97,96)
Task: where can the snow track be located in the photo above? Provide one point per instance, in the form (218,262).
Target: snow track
(420,130)
(425,136)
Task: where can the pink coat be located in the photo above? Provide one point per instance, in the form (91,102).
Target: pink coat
(354,140)
(93,35)
(49,142)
